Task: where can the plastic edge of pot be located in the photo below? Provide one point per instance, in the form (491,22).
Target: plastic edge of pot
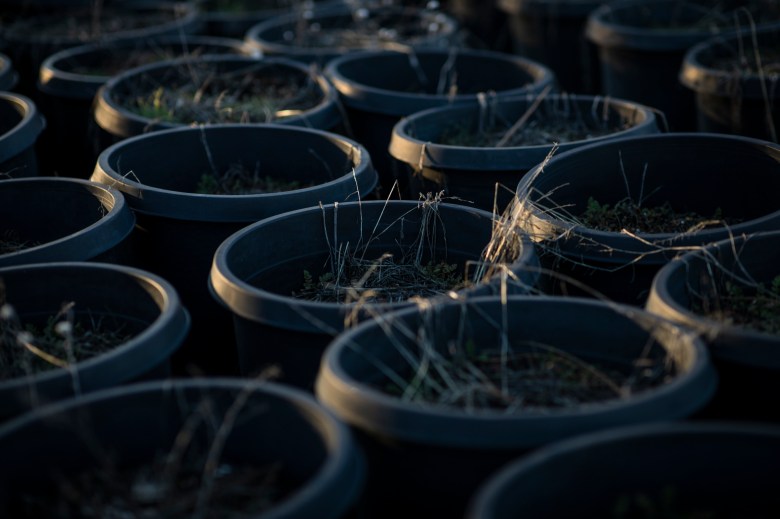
(231,208)
(329,491)
(395,103)
(87,243)
(158,341)
(417,153)
(26,132)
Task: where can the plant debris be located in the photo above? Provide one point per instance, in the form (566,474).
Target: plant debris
(537,132)
(30,349)
(239,180)
(11,241)
(756,307)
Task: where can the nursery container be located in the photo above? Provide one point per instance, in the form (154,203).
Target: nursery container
(8,75)
(734,80)
(427,457)
(272,452)
(31,38)
(641,45)
(20,125)
(70,79)
(723,185)
(257,271)
(179,229)
(466,150)
(665,470)
(233,18)
(553,32)
(48,219)
(318,36)
(379,88)
(715,292)
(317,109)
(142,308)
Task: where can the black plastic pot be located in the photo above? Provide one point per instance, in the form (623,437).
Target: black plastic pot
(31,39)
(668,470)
(70,79)
(748,360)
(179,229)
(733,94)
(314,468)
(57,219)
(641,45)
(703,173)
(8,76)
(256,271)
(119,122)
(382,27)
(485,25)
(471,172)
(20,125)
(429,458)
(379,88)
(553,32)
(131,300)
(235,21)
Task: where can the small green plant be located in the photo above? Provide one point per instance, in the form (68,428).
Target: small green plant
(633,216)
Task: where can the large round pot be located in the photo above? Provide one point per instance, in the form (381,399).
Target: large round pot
(70,79)
(179,229)
(379,88)
(729,293)
(137,314)
(233,447)
(48,219)
(668,470)
(641,45)
(320,35)
(715,185)
(20,125)
(553,32)
(466,150)
(440,403)
(118,112)
(734,81)
(257,271)
(31,38)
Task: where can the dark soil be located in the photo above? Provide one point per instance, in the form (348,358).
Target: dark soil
(206,95)
(114,62)
(239,180)
(28,349)
(535,377)
(756,307)
(380,281)
(537,132)
(628,215)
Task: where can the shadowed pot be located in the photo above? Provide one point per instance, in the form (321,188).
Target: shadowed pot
(191,188)
(21,123)
(444,395)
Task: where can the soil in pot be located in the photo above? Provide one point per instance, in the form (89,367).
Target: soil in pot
(118,325)
(219,449)
(662,176)
(444,394)
(292,290)
(478,153)
(322,34)
(214,90)
(729,292)
(70,79)
(238,179)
